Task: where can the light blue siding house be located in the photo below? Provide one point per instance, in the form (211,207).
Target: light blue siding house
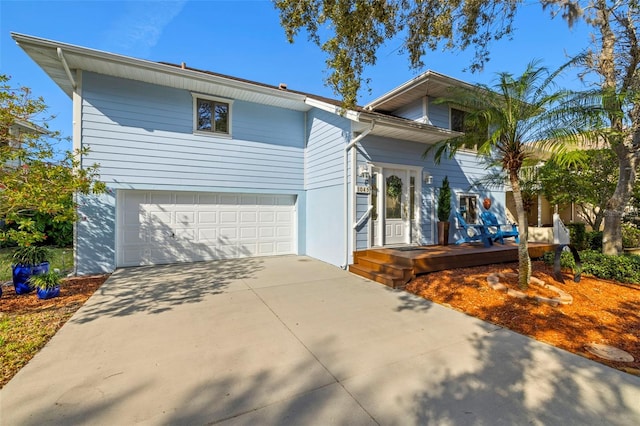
(204,166)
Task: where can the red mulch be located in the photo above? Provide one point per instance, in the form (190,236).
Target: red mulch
(73,293)
(604,312)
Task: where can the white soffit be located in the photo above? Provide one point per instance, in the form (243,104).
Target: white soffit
(429,83)
(44,53)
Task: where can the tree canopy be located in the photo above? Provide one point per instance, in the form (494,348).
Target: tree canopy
(589,184)
(35,180)
(352,31)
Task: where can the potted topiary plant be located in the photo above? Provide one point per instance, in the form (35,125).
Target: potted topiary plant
(28,261)
(47,284)
(444,212)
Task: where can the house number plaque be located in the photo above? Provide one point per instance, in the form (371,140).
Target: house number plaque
(363,189)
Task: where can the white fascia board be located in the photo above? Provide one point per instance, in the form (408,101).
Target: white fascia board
(98,58)
(403,123)
(333,109)
(397,91)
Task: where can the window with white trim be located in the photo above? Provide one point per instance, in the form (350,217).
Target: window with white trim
(468,207)
(212,115)
(457,120)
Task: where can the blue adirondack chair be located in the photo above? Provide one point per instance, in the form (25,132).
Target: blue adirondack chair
(499,231)
(473,232)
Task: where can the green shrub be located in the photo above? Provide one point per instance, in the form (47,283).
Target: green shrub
(624,269)
(59,232)
(578,235)
(630,235)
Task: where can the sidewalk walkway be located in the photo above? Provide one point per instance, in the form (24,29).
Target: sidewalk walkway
(291,340)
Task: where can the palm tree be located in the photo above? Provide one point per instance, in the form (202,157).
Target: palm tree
(501,121)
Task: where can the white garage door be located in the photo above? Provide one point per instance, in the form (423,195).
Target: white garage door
(156,227)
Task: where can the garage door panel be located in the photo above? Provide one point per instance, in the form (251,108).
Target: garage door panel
(228,199)
(228,233)
(248,233)
(185,234)
(204,199)
(248,217)
(282,231)
(162,227)
(207,217)
(185,218)
(283,247)
(228,217)
(283,217)
(188,198)
(207,235)
(132,236)
(267,217)
(160,217)
(284,201)
(159,198)
(249,200)
(267,249)
(265,232)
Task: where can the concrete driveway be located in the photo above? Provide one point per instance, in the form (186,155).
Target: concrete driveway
(291,340)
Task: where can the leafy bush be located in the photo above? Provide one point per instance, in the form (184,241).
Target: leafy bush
(578,235)
(57,232)
(630,235)
(624,269)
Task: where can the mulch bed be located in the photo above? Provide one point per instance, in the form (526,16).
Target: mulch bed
(73,293)
(602,311)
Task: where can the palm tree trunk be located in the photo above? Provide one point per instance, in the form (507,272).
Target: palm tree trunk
(612,234)
(524,261)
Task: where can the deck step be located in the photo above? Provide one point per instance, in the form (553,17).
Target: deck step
(390,280)
(382,257)
(387,267)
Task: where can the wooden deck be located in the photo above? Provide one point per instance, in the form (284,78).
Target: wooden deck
(395,267)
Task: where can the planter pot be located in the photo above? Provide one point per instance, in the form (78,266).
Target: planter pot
(443,233)
(48,293)
(632,250)
(22,273)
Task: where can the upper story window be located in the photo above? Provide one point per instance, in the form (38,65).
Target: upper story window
(457,120)
(212,115)
(476,132)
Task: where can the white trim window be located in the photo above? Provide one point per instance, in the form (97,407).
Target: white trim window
(211,115)
(468,207)
(456,119)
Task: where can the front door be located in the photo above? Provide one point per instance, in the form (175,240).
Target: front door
(396,210)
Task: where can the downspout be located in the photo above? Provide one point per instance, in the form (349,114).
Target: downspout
(349,208)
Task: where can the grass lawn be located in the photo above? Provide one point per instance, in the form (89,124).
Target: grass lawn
(61,258)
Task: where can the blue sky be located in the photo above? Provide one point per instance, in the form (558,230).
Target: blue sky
(244,39)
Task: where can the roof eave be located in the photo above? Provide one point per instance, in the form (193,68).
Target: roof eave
(45,53)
